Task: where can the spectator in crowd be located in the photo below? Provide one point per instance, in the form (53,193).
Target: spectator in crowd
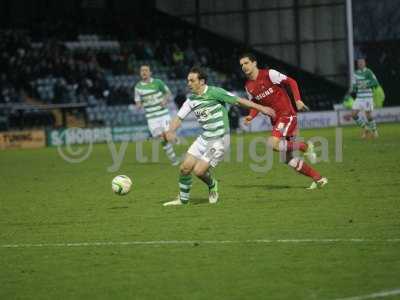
(50,71)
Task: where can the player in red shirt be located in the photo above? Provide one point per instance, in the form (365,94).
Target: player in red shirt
(266,87)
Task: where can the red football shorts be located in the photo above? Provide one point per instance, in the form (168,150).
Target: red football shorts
(285,126)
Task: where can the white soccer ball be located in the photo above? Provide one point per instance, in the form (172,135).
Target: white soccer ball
(121,184)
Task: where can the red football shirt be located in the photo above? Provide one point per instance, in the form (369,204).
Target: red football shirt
(267,90)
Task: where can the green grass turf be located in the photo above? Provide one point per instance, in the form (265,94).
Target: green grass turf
(45,200)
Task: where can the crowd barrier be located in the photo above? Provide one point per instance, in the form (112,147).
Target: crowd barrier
(58,137)
(323,119)
(24,139)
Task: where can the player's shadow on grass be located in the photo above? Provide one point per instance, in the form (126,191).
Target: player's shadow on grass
(199,201)
(195,201)
(118,207)
(268,186)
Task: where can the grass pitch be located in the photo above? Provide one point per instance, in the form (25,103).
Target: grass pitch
(63,234)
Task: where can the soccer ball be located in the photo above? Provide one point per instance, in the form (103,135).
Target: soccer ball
(121,184)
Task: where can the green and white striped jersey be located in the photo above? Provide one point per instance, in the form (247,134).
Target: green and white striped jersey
(151,94)
(210,111)
(363,82)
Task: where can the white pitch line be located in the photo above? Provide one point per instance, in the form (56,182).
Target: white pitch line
(197,242)
(374,295)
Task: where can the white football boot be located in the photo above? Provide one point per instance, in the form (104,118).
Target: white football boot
(177,201)
(318,184)
(213,194)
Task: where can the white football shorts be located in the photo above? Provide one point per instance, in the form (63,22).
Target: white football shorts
(158,125)
(365,104)
(210,151)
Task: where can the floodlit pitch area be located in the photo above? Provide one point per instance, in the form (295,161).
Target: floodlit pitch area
(63,234)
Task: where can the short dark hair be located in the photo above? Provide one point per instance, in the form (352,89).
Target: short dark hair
(249,55)
(145,65)
(201,74)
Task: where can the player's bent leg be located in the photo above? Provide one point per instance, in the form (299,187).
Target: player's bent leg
(212,156)
(157,127)
(185,181)
(360,122)
(371,124)
(202,171)
(201,168)
(284,145)
(303,168)
(169,150)
(185,177)
(188,164)
(288,145)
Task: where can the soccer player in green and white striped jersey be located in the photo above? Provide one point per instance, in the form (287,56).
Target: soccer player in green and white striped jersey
(363,82)
(153,94)
(207,103)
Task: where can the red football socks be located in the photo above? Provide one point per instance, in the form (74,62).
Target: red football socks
(303,168)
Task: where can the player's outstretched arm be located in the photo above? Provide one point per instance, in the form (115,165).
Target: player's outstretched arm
(263,109)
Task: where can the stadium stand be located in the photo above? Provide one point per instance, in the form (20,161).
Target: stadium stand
(101,70)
